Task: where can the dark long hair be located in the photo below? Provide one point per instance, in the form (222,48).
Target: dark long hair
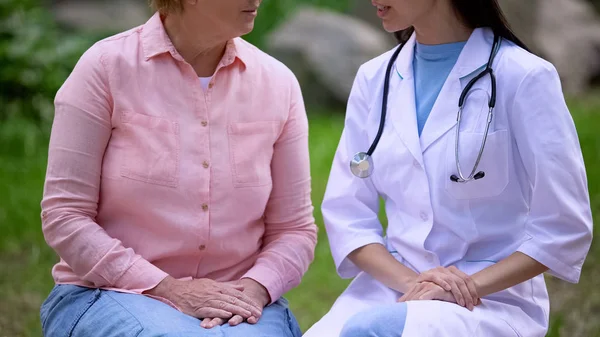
(476,14)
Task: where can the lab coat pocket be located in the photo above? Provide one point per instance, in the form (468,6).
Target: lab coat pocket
(151,149)
(250,152)
(494,163)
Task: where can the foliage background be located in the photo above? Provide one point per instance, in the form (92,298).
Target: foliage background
(36,56)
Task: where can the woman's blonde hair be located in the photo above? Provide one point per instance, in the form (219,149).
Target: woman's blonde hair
(166,6)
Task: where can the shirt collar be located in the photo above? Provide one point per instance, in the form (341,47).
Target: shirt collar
(155,41)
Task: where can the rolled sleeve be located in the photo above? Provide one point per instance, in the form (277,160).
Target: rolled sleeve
(350,206)
(290,230)
(80,133)
(559,226)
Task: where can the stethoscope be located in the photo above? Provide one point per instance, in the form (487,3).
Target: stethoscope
(361,164)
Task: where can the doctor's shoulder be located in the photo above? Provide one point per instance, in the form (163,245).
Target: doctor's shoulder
(369,77)
(517,67)
(374,68)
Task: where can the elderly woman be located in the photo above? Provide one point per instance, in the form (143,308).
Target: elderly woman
(178,186)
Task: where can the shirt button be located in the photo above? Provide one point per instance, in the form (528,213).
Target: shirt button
(202,247)
(205,164)
(211,84)
(204,123)
(424,216)
(205,207)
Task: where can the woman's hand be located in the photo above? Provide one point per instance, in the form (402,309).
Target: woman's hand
(453,280)
(203,298)
(427,291)
(255,291)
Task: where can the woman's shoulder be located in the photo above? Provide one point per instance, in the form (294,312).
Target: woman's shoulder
(114,46)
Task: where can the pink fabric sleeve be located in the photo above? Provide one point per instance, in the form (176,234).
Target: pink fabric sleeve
(290,234)
(80,133)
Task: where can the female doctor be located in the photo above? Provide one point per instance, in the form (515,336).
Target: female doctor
(479,204)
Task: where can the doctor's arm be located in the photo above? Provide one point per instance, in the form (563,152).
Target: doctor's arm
(350,205)
(559,227)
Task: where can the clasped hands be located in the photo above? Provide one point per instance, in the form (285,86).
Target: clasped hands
(216,303)
(444,284)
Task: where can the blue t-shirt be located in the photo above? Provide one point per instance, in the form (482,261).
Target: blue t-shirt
(431,66)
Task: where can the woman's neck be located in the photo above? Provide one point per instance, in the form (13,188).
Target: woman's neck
(441,25)
(198,46)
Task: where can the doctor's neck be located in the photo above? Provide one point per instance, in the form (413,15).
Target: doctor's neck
(441,25)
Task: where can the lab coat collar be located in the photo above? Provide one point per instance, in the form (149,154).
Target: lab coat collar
(476,52)
(402,112)
(404,62)
(470,60)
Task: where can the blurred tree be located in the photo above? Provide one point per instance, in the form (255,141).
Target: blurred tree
(35,59)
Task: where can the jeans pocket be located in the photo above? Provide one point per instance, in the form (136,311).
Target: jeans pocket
(50,302)
(97,293)
(292,323)
(64,307)
(108,316)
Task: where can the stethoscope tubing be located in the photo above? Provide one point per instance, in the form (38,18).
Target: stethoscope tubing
(362,160)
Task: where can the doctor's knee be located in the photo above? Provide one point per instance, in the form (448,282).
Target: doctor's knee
(384,321)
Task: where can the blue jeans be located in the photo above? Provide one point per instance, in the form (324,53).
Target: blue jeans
(77,311)
(382,321)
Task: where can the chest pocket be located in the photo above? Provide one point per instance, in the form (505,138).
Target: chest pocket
(494,163)
(151,149)
(251,152)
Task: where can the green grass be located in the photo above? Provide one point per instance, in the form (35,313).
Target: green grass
(25,260)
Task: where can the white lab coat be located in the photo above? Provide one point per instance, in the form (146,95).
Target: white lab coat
(533,198)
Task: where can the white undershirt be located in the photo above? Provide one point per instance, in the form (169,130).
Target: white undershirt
(204,81)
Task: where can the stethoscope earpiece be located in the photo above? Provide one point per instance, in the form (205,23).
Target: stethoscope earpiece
(456,179)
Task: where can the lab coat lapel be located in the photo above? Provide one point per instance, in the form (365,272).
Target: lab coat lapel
(401,107)
(472,59)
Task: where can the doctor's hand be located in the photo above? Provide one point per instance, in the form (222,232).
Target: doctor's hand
(254,291)
(453,280)
(425,291)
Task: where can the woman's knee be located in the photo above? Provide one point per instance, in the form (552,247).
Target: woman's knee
(385,321)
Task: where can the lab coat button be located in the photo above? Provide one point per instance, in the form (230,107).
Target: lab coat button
(416,164)
(424,216)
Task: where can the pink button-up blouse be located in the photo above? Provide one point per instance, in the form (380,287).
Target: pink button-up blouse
(150,175)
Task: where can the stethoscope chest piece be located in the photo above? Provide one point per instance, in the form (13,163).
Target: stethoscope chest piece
(361,165)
